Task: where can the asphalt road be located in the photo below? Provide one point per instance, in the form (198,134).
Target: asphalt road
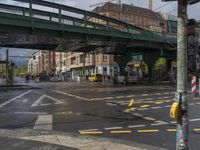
(100,109)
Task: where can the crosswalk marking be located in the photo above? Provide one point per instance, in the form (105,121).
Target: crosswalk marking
(136,126)
(113,128)
(13,99)
(38,101)
(44,122)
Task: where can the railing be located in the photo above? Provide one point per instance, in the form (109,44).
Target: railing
(79,18)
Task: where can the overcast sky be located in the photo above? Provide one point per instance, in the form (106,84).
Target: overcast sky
(167,7)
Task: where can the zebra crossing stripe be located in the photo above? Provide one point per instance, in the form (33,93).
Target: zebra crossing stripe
(44,122)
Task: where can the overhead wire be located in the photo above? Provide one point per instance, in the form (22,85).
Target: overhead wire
(162,6)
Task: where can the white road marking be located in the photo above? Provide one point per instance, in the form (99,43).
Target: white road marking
(13,99)
(88,130)
(46,104)
(149,118)
(145,94)
(113,128)
(130,96)
(137,126)
(71,95)
(138,115)
(166,97)
(31,113)
(142,108)
(44,122)
(37,102)
(173,122)
(25,100)
(126,111)
(158,107)
(167,106)
(158,94)
(159,122)
(149,98)
(192,120)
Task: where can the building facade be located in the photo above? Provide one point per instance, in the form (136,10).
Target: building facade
(84,64)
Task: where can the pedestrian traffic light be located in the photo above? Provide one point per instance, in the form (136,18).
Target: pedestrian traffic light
(174,111)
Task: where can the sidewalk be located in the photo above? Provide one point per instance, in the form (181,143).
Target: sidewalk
(24,139)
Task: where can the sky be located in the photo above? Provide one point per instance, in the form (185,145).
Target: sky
(158,5)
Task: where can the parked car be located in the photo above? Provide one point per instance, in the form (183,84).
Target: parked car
(95,78)
(127,79)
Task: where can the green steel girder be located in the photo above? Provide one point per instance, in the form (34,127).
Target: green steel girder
(24,21)
(82,12)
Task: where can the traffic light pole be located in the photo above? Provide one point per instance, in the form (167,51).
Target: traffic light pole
(182,120)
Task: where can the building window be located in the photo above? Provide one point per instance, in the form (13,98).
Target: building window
(73,60)
(126,18)
(81,58)
(105,58)
(104,70)
(114,16)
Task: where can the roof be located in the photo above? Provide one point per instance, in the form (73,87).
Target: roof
(130,9)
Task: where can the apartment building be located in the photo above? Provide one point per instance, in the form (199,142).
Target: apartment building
(138,16)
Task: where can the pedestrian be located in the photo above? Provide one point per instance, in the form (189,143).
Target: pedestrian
(27,78)
(173,78)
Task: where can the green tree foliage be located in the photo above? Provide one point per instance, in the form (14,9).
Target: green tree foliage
(21,70)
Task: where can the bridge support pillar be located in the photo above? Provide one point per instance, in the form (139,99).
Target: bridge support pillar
(122,60)
(150,57)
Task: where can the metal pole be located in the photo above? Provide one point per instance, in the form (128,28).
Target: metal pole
(7,67)
(182,120)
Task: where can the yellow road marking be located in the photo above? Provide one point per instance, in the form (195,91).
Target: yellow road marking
(144,131)
(121,131)
(132,109)
(174,99)
(85,132)
(167,100)
(171,130)
(131,102)
(158,102)
(144,106)
(196,129)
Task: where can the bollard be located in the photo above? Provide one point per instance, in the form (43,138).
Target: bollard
(194,85)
